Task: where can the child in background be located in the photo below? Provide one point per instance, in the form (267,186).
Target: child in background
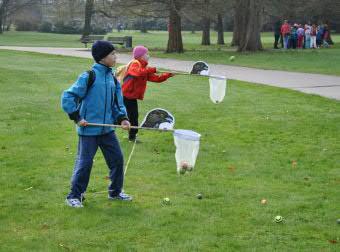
(319,36)
(277,33)
(293,37)
(285,31)
(301,35)
(134,84)
(313,33)
(307,36)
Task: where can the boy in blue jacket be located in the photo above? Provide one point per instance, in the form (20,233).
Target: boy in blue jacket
(101,102)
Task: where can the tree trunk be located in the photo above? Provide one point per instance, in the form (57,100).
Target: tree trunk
(175,43)
(72,9)
(337,28)
(8,25)
(3,7)
(250,30)
(206,31)
(239,20)
(205,23)
(1,30)
(143,28)
(220,30)
(88,16)
(3,22)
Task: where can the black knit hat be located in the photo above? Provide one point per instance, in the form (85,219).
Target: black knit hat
(100,49)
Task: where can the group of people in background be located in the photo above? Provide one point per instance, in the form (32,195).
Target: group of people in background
(298,36)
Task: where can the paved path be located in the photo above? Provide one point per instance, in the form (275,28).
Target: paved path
(324,85)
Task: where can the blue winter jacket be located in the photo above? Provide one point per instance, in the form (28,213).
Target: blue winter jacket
(101,103)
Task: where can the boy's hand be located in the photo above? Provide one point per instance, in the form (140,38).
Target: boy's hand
(82,123)
(125,124)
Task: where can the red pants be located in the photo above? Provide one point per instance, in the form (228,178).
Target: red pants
(300,41)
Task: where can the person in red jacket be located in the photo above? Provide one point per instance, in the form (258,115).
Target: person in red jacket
(285,31)
(134,84)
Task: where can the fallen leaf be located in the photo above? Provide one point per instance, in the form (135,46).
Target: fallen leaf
(332,241)
(294,163)
(44,226)
(231,168)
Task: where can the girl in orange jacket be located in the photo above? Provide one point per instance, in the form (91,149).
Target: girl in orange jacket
(134,84)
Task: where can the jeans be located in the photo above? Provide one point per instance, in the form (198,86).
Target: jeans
(286,41)
(313,42)
(87,148)
(307,42)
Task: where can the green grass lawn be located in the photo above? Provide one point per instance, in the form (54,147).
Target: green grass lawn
(261,142)
(324,61)
(152,39)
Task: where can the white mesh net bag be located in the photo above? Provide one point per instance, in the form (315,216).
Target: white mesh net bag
(187,144)
(218,86)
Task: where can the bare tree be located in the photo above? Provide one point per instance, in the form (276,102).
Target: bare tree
(4,4)
(250,39)
(9,8)
(175,43)
(170,9)
(211,12)
(220,29)
(88,16)
(248,25)
(206,23)
(238,22)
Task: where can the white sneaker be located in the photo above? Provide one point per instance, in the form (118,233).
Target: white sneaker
(122,196)
(74,203)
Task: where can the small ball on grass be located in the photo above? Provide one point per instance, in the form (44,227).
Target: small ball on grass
(263,201)
(184,167)
(166,201)
(182,171)
(232,58)
(278,218)
(199,196)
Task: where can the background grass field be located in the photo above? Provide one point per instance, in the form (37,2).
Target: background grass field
(324,61)
(261,142)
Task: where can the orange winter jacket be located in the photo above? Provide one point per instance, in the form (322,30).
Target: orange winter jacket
(136,77)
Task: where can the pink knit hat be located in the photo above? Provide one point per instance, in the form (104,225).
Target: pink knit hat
(139,51)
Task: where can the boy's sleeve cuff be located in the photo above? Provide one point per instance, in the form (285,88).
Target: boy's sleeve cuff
(74,116)
(122,118)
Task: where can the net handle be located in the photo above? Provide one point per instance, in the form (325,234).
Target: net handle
(131,127)
(197,75)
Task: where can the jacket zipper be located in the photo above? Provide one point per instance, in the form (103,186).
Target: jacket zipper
(115,96)
(84,128)
(105,104)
